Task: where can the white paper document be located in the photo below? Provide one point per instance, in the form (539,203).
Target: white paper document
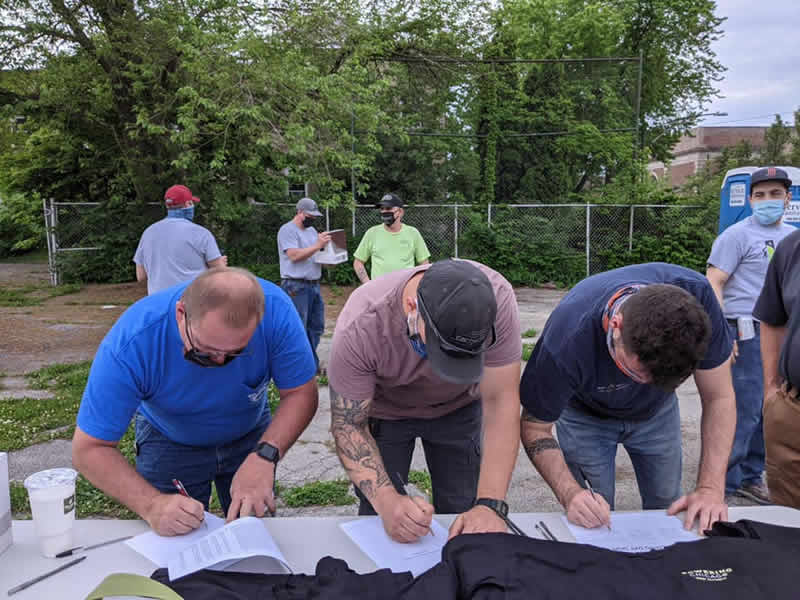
(417,557)
(634,532)
(159,549)
(220,550)
(243,545)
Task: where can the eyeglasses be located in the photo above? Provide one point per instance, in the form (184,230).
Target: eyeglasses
(452,349)
(206,359)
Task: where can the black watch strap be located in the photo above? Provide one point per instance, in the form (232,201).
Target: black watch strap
(498,506)
(268,452)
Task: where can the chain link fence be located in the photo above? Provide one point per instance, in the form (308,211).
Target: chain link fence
(546,242)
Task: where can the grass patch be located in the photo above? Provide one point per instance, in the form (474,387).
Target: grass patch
(322,379)
(421,479)
(27,421)
(34,295)
(320,493)
(527,350)
(274,397)
(530,333)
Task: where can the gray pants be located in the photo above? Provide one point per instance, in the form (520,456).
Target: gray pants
(452,445)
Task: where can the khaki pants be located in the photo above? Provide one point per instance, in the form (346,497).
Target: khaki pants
(782,440)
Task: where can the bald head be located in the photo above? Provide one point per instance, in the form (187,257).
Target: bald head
(236,293)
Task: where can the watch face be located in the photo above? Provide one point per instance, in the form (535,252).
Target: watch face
(268,452)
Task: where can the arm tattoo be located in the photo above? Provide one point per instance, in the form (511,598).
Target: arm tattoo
(541,445)
(526,416)
(355,445)
(361,272)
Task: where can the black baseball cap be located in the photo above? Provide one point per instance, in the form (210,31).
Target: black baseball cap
(770,174)
(458,306)
(390,201)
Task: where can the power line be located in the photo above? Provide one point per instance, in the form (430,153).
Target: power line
(449,59)
(772,114)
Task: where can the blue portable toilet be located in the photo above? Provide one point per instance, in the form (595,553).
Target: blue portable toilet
(735,197)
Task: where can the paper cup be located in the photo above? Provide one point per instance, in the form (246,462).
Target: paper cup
(52,498)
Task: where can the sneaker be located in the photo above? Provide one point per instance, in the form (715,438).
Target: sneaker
(757,492)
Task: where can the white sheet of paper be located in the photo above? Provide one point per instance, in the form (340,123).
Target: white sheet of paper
(417,557)
(634,532)
(243,538)
(159,549)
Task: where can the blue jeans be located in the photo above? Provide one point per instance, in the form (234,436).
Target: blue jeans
(159,460)
(307,300)
(654,445)
(746,463)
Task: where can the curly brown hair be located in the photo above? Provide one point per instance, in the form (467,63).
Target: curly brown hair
(668,330)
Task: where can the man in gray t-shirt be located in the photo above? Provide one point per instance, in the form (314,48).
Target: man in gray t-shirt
(736,270)
(298,241)
(174,249)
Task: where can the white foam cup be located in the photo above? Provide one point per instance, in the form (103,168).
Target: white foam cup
(52,497)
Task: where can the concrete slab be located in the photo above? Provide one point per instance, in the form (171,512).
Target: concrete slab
(55,453)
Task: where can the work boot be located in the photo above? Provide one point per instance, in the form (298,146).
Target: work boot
(757,492)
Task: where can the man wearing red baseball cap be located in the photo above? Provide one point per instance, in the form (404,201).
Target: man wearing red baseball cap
(175,249)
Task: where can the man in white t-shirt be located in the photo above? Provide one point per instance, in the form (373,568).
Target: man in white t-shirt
(174,249)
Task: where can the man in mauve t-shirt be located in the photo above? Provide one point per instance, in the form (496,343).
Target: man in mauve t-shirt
(433,353)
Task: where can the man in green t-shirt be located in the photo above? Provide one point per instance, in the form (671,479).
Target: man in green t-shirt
(392,245)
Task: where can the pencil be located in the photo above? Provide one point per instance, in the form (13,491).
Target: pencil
(408,491)
(591,490)
(30,582)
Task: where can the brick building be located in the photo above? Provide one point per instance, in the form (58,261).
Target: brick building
(700,146)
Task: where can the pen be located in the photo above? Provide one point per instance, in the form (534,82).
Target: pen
(182,491)
(29,583)
(411,490)
(591,490)
(72,551)
(547,531)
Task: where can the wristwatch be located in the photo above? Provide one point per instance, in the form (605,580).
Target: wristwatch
(268,452)
(498,506)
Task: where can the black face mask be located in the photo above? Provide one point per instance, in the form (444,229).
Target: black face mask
(205,359)
(388,218)
(308,221)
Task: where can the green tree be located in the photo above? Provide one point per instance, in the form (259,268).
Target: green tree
(595,102)
(776,142)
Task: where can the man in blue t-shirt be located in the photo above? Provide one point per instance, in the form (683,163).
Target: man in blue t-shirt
(605,369)
(192,364)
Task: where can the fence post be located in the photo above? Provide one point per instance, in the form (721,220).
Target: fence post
(56,279)
(588,235)
(630,230)
(327,219)
(489,215)
(47,231)
(353,212)
(455,228)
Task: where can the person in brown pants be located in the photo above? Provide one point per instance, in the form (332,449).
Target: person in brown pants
(782,435)
(778,310)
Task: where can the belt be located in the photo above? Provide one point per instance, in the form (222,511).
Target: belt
(301,280)
(734,322)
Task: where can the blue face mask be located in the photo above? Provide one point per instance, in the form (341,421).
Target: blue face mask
(413,336)
(768,212)
(181,213)
(419,346)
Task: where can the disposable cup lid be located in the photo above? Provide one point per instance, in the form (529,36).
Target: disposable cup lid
(50,478)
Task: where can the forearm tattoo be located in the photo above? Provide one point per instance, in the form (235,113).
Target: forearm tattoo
(540,445)
(355,445)
(361,272)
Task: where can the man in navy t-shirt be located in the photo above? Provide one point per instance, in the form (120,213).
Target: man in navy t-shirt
(605,369)
(192,364)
